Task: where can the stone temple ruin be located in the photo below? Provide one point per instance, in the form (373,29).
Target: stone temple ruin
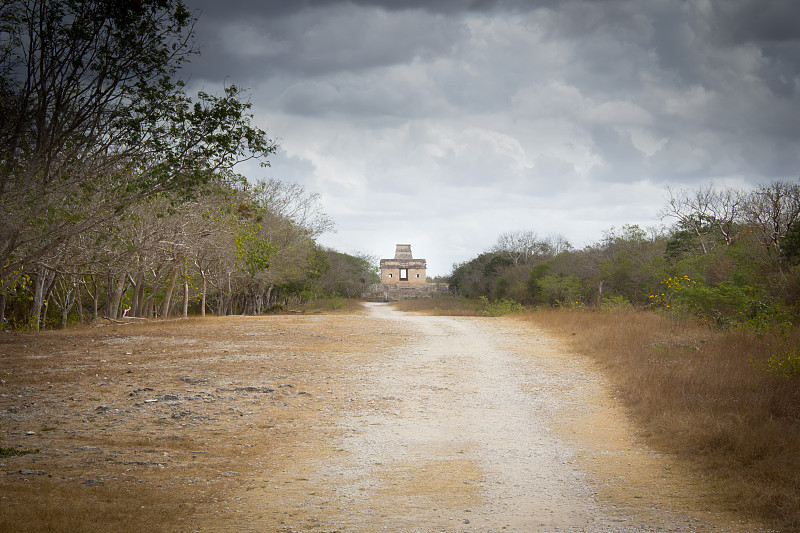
(403,268)
(405,277)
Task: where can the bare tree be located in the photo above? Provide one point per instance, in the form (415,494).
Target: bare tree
(771,210)
(525,246)
(725,213)
(519,246)
(692,209)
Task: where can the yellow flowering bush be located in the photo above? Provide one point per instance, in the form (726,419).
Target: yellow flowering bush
(726,305)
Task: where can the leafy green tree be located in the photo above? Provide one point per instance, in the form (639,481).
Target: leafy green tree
(631,264)
(94,119)
(348,275)
(536,295)
(561,289)
(790,244)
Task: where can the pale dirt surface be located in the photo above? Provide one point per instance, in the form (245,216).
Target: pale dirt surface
(378,421)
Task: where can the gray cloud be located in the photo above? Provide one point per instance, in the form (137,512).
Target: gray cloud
(472,118)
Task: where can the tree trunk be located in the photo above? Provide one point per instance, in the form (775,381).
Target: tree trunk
(149,304)
(185,297)
(44,279)
(203,298)
(149,307)
(135,296)
(36,308)
(95,296)
(168,295)
(66,301)
(80,303)
(3,298)
(268,297)
(139,309)
(109,292)
(118,292)
(44,316)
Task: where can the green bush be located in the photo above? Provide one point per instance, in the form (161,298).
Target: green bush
(561,289)
(499,307)
(615,304)
(726,305)
(785,363)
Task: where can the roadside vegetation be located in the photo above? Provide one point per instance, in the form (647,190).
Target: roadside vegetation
(119,194)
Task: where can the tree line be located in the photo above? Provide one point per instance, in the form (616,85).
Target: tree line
(118,189)
(727,255)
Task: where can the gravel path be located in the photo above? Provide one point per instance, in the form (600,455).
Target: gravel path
(457,431)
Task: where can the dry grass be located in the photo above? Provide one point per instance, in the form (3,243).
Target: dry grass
(108,460)
(438,305)
(704,395)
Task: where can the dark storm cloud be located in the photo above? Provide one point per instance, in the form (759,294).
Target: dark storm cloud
(334,37)
(280,8)
(738,21)
(522,110)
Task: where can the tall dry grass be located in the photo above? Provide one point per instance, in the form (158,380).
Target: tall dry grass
(438,305)
(704,395)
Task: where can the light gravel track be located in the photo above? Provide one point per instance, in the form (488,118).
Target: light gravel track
(458,430)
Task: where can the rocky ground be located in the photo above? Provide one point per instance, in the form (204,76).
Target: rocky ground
(374,421)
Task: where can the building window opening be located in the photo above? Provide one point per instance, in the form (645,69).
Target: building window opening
(417,275)
(390,274)
(403,274)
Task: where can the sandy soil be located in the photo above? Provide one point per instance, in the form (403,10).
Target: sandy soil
(378,421)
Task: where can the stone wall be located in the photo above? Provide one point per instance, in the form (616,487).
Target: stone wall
(390,292)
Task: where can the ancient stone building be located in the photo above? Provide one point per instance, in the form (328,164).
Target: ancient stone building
(403,268)
(405,277)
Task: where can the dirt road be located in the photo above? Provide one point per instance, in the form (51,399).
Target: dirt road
(379,421)
(481,425)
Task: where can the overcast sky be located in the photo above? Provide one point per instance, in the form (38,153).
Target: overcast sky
(443,123)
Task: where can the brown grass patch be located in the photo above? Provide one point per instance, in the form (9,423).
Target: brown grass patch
(164,426)
(438,305)
(704,395)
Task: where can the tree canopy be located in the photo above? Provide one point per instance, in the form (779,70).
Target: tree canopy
(730,256)
(118,186)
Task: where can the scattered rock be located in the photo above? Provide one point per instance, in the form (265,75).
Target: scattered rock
(254,389)
(33,472)
(170,398)
(92,482)
(193,380)
(102,409)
